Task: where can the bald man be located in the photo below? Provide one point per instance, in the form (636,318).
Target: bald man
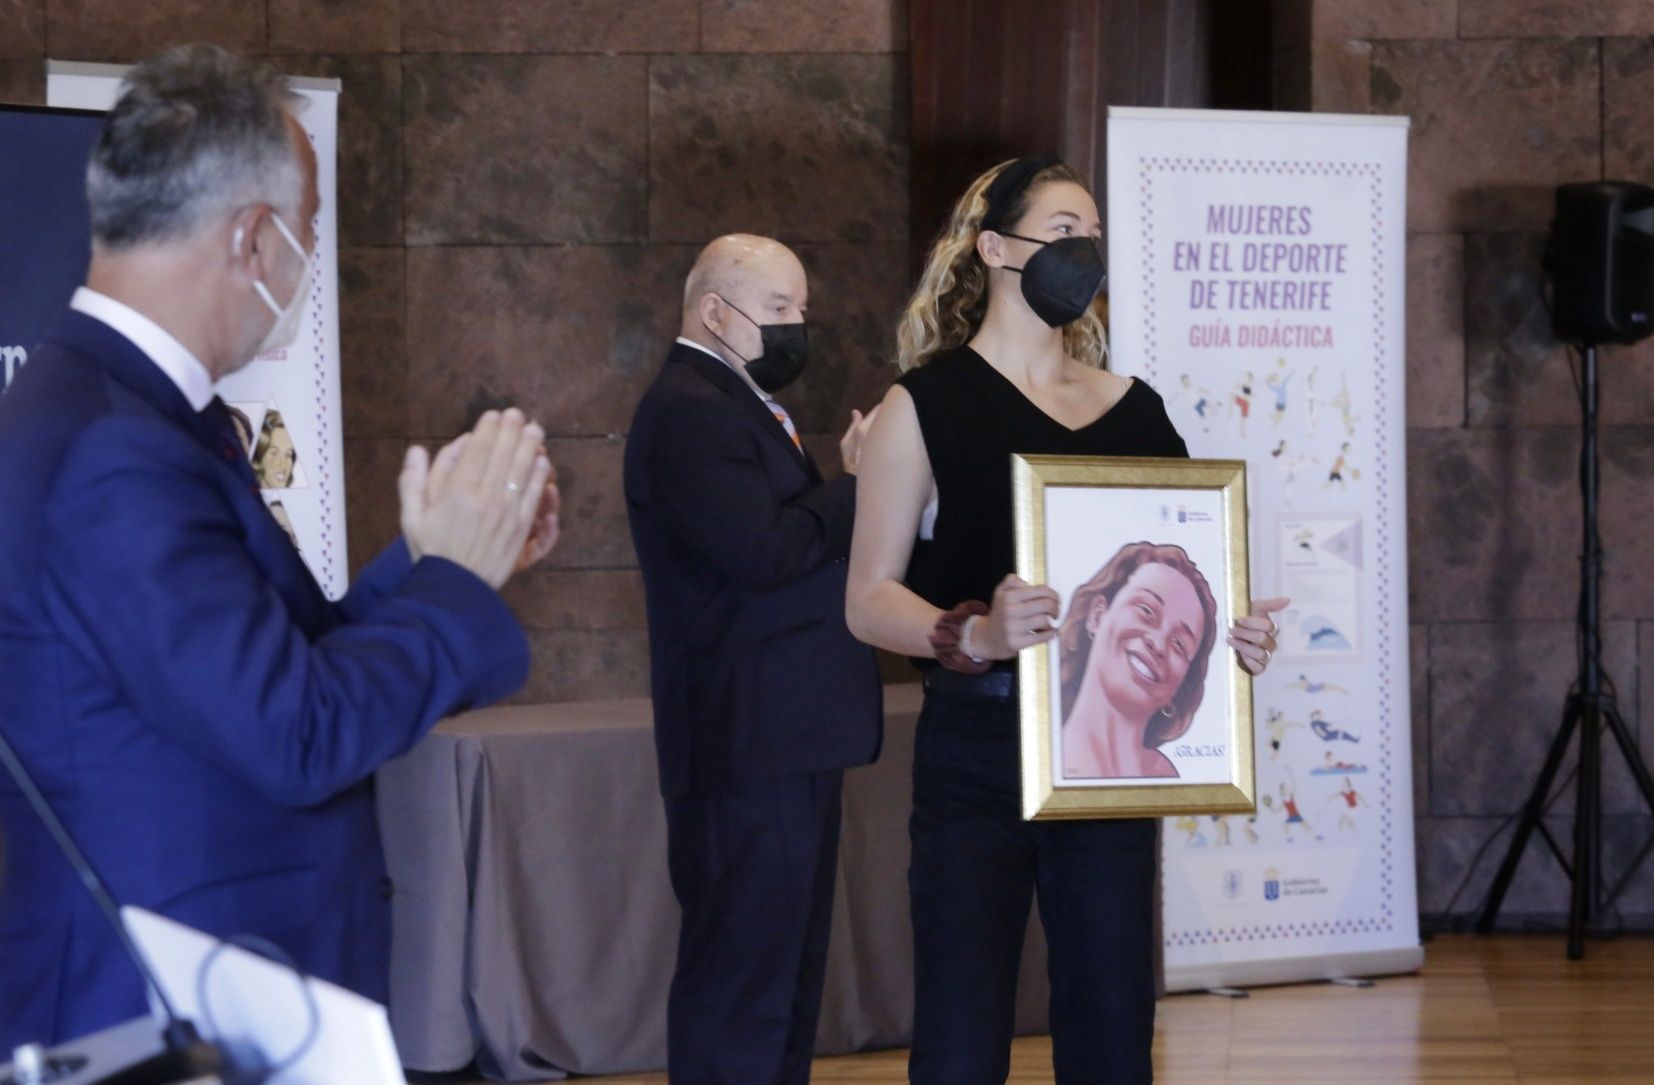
(762,698)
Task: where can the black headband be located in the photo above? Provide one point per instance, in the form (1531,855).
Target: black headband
(1011,183)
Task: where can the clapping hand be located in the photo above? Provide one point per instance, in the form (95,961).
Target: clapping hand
(542,535)
(849,446)
(481,498)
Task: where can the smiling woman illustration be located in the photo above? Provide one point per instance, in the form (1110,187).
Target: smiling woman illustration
(275,457)
(1134,648)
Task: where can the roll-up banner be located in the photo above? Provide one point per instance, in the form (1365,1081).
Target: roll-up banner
(1257,282)
(288,398)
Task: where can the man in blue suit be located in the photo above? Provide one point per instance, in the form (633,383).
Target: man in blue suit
(762,697)
(203,719)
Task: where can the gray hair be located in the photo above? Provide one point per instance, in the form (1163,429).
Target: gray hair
(197,132)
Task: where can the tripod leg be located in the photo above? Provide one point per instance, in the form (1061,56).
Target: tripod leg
(1532,814)
(1645,784)
(1582,906)
(1633,756)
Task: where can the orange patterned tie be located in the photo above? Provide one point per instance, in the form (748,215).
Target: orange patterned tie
(786,421)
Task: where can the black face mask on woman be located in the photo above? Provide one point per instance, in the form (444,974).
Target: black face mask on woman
(1060,281)
(786,347)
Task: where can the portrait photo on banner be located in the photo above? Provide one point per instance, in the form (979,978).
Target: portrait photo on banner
(1137,707)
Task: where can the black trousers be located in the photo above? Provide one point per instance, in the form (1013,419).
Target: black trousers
(753,870)
(976,868)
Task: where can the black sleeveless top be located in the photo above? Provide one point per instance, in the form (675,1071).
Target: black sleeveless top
(973,419)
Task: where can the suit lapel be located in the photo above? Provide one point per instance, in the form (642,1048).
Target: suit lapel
(122,359)
(810,467)
(732,385)
(125,362)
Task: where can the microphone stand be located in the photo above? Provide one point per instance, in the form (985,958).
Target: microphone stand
(185,1056)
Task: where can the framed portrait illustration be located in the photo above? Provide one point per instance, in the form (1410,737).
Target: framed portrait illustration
(1137,707)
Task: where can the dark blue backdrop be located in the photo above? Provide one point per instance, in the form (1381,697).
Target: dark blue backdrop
(45,239)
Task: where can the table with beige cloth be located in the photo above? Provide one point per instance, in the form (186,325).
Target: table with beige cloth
(534,925)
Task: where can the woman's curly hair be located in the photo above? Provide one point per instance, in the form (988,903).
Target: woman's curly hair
(951,299)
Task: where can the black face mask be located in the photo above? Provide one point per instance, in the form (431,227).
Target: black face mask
(1060,281)
(786,347)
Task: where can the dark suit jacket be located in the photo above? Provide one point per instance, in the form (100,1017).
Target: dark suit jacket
(202,717)
(743,550)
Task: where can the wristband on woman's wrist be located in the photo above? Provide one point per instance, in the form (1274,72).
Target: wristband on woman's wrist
(948,637)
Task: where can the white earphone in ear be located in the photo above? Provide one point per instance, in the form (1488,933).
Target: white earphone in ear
(240,232)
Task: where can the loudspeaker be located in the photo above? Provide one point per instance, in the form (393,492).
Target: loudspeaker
(1601,263)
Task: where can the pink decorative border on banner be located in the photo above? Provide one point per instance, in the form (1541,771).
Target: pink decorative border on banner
(1371,172)
(320,383)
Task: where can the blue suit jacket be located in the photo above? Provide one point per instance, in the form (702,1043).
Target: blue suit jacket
(204,720)
(743,548)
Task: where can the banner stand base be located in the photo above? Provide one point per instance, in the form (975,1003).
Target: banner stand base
(1333,967)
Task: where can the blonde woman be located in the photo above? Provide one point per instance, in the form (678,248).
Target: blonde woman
(1002,351)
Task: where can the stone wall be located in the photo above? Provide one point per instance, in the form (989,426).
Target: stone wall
(1509,98)
(523,184)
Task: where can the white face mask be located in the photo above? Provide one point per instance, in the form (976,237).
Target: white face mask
(286,328)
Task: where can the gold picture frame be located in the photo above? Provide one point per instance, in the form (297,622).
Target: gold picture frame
(1142,524)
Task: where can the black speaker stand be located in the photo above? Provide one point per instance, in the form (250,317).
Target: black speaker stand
(1588,711)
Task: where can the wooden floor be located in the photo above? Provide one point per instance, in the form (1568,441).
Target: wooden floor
(1511,1008)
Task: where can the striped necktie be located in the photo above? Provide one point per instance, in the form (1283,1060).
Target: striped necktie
(786,421)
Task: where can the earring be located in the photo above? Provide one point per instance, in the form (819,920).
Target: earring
(1168,712)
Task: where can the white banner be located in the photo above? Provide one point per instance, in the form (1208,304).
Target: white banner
(1257,273)
(289,398)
